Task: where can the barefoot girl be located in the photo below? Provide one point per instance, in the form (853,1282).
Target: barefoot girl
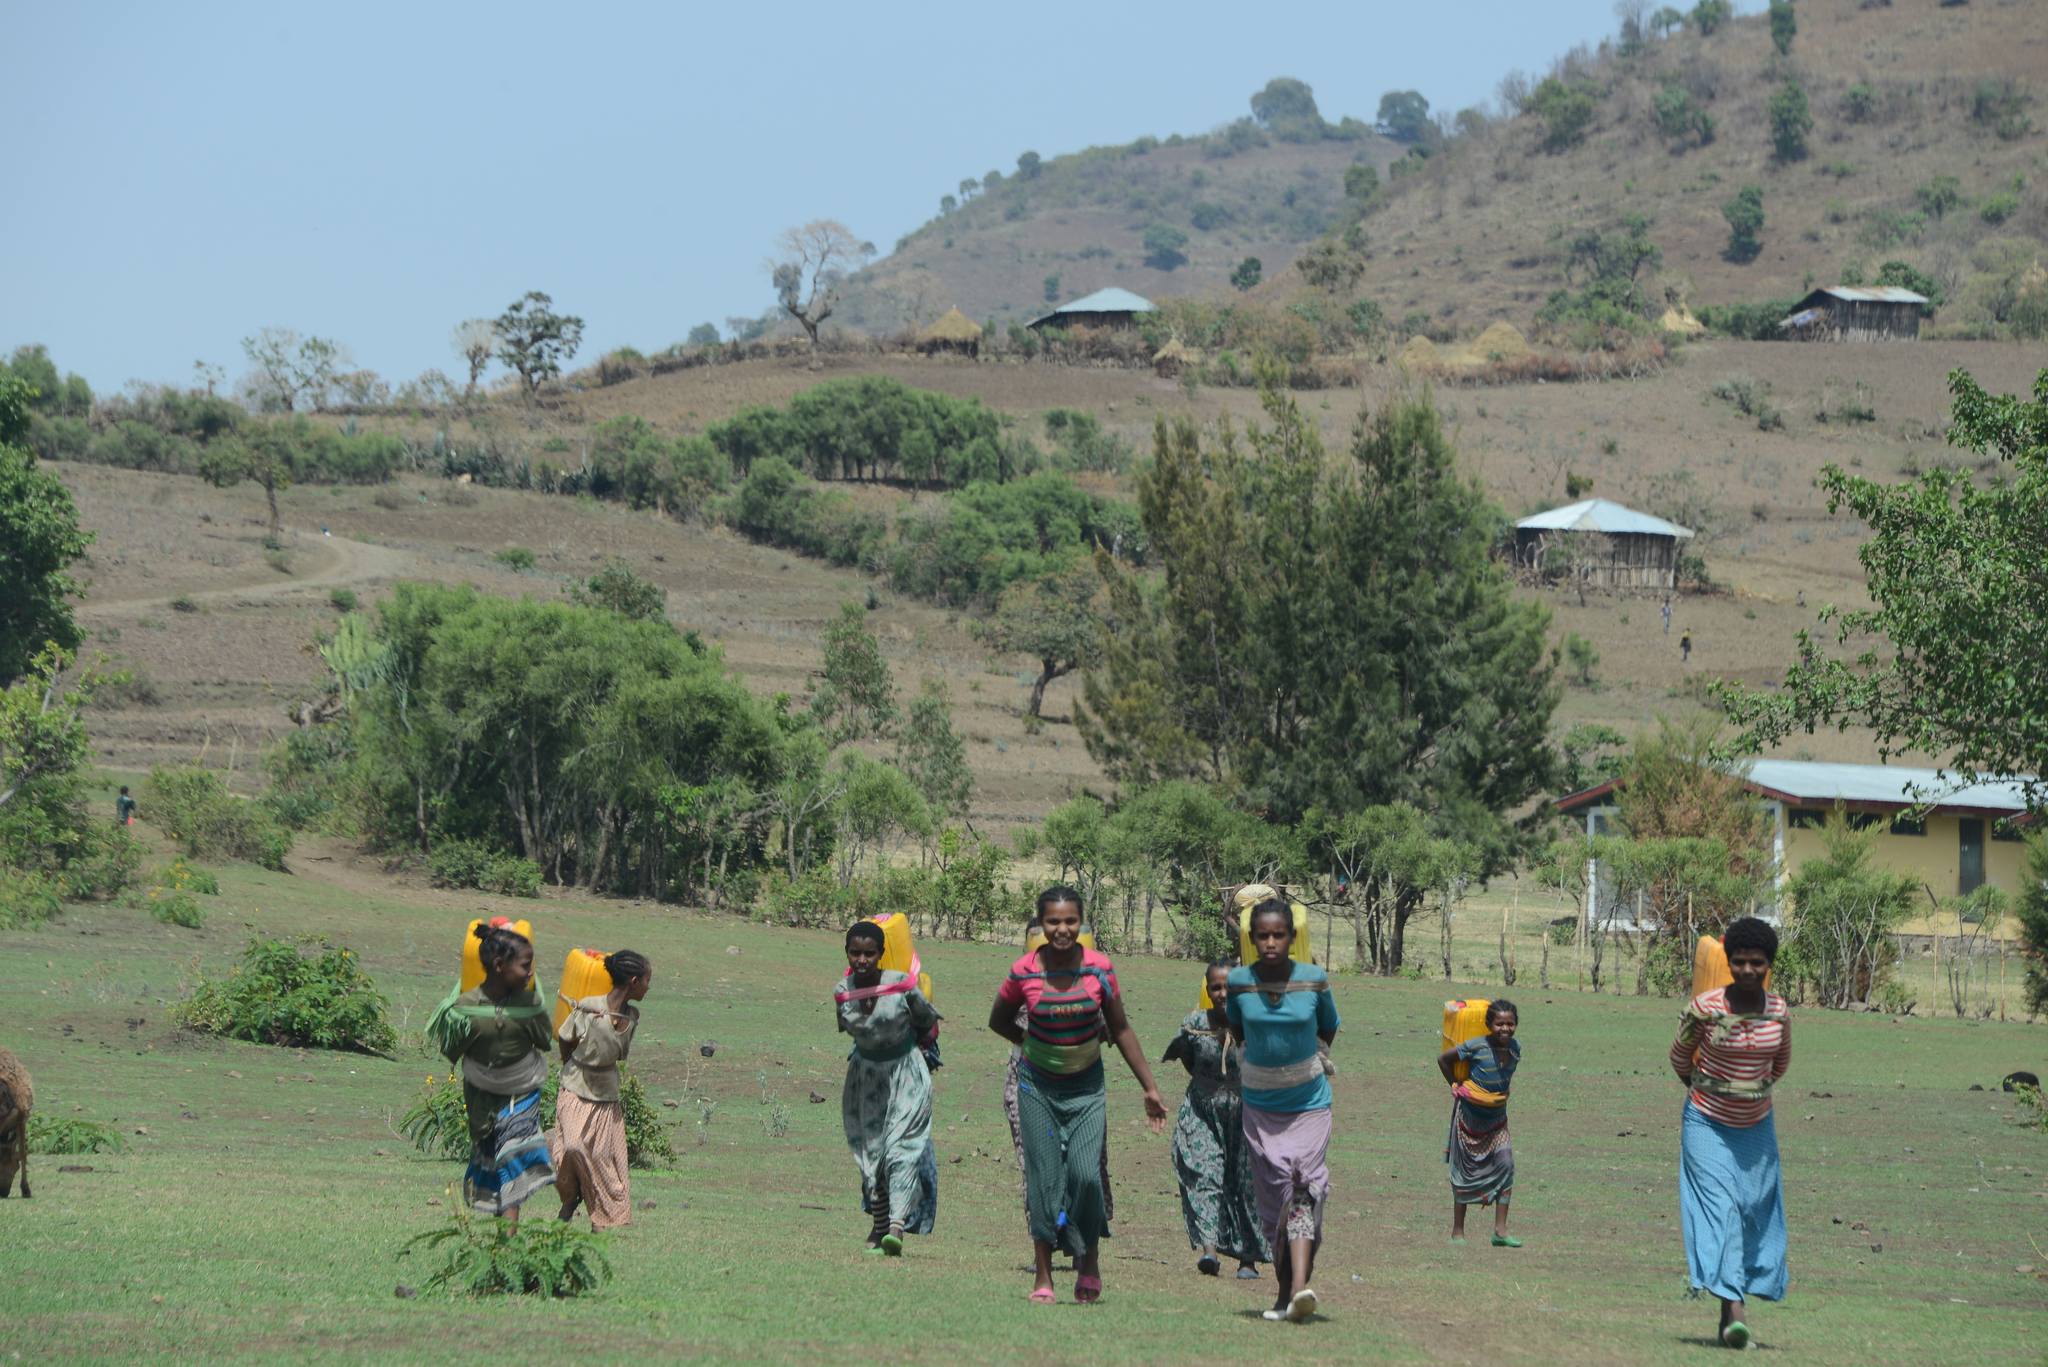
(1209,1154)
(589,1138)
(1480,1154)
(1071,1002)
(887,1103)
(1282,1011)
(498,1032)
(1733,1044)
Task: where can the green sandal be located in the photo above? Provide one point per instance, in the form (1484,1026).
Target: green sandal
(1505,1241)
(1735,1334)
(892,1244)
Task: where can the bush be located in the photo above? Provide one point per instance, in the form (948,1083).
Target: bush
(27,899)
(195,808)
(342,600)
(437,1125)
(1163,247)
(281,995)
(1745,215)
(473,864)
(498,1257)
(309,773)
(515,558)
(101,863)
(1908,276)
(1791,120)
(1679,116)
(1997,208)
(68,1134)
(1710,16)
(2001,105)
(1567,111)
(1859,103)
(1757,322)
(1752,398)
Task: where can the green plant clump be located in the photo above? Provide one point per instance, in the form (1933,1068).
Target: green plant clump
(209,822)
(473,864)
(499,1257)
(515,558)
(66,1134)
(279,994)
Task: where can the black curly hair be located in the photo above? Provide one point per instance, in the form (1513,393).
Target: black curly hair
(1750,933)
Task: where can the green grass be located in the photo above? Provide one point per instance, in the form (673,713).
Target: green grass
(266,1193)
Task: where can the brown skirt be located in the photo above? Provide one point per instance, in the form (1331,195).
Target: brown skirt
(589,1146)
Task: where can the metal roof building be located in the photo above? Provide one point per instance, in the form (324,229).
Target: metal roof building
(1857,313)
(1110,307)
(1619,548)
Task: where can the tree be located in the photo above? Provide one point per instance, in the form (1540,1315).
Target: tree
(1790,121)
(1287,108)
(1328,633)
(1247,274)
(1567,111)
(615,588)
(1029,165)
(1745,215)
(263,456)
(1052,288)
(1784,24)
(1056,619)
(811,268)
(290,368)
(39,540)
(1584,657)
(474,340)
(704,334)
(876,801)
(1954,570)
(933,754)
(534,340)
(1679,116)
(69,396)
(1361,182)
(1667,21)
(1404,116)
(2033,918)
(1908,276)
(1844,909)
(856,699)
(1634,18)
(1163,243)
(1711,16)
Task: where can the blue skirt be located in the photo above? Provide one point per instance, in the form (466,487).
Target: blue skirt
(1731,1204)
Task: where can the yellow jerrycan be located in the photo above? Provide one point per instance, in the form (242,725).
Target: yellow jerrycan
(583,975)
(472,949)
(1463,1020)
(899,955)
(1249,896)
(1710,966)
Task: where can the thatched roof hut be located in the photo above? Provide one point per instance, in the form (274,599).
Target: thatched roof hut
(1169,360)
(954,331)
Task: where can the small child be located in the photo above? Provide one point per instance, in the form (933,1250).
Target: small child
(1480,1154)
(589,1138)
(887,1104)
(124,808)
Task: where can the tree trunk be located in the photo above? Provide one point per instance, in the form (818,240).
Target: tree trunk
(1038,688)
(276,522)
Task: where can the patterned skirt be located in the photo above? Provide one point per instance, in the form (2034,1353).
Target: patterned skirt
(508,1155)
(1213,1165)
(589,1148)
(1481,1157)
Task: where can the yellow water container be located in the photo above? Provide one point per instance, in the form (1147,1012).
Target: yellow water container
(1710,966)
(899,955)
(472,950)
(1249,896)
(1463,1020)
(1034,937)
(583,975)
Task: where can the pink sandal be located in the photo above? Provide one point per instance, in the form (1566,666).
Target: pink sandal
(1043,1295)
(1087,1289)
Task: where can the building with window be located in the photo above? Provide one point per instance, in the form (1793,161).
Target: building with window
(1951,838)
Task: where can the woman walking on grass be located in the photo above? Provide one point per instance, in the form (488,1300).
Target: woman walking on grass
(589,1138)
(1209,1153)
(498,1031)
(1071,1002)
(1034,936)
(1733,1045)
(887,1103)
(1479,1152)
(1282,1011)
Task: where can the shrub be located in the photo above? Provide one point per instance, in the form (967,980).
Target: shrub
(183,603)
(195,808)
(1710,16)
(309,773)
(1791,120)
(1757,322)
(2001,105)
(28,898)
(68,1134)
(1997,208)
(1745,215)
(474,864)
(1679,116)
(1752,398)
(515,558)
(499,1257)
(102,862)
(1883,228)
(1859,103)
(1939,195)
(342,600)
(1908,276)
(1567,111)
(1163,247)
(281,995)
(176,907)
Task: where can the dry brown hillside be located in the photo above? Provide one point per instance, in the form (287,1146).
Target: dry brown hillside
(1900,94)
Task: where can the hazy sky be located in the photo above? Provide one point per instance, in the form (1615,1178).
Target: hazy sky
(184,174)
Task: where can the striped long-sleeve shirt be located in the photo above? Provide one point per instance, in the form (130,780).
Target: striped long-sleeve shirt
(1733,1059)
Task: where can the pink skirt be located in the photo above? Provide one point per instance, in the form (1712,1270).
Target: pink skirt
(1290,1153)
(589,1147)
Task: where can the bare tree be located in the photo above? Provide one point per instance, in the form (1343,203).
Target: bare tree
(474,341)
(812,266)
(290,367)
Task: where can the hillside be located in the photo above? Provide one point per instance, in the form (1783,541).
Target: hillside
(1926,147)
(1250,188)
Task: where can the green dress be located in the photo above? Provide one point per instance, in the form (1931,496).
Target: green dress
(887,1104)
(1209,1153)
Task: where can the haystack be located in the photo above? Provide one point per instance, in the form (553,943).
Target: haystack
(954,331)
(1500,342)
(1682,322)
(1420,355)
(1169,359)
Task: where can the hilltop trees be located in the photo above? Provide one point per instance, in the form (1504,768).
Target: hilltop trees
(290,368)
(534,340)
(474,340)
(1784,25)
(811,266)
(1287,108)
(1404,116)
(39,539)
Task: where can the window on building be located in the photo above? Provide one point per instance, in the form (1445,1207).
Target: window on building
(1806,818)
(1909,825)
(1863,821)
(2005,830)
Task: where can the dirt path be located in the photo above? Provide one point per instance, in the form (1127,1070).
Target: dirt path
(341,562)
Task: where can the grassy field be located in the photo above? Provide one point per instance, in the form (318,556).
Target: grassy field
(264,1194)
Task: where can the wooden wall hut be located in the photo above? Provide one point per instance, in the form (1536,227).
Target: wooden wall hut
(954,332)
(1856,313)
(1110,308)
(1611,546)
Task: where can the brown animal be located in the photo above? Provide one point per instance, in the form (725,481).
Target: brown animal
(17,1099)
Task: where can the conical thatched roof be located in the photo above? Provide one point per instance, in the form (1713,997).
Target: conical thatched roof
(1174,350)
(955,326)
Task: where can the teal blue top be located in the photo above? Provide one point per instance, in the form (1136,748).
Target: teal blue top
(1490,1072)
(1282,1029)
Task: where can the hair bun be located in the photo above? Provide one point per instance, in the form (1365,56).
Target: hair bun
(482,930)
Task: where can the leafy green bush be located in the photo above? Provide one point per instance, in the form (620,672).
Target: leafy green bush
(28,898)
(1906,275)
(1745,215)
(209,822)
(474,864)
(515,558)
(1997,208)
(66,1134)
(2001,106)
(1567,111)
(279,994)
(311,773)
(1757,322)
(1791,120)
(1679,116)
(499,1257)
(437,1125)
(342,600)
(1859,103)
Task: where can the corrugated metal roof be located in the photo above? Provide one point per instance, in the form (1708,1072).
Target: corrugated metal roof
(1812,781)
(1873,294)
(1602,515)
(1111,300)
